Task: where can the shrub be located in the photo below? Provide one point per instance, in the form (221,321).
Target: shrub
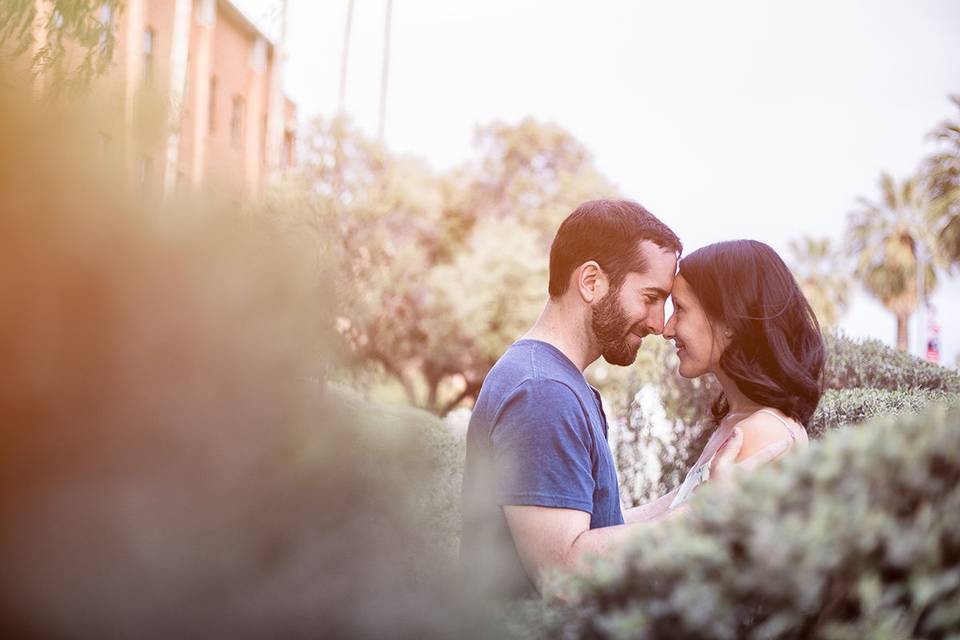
(170,465)
(842,407)
(856,537)
(870,364)
(431,462)
(863,379)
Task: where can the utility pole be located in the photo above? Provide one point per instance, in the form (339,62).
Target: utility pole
(343,58)
(276,116)
(385,72)
(179,54)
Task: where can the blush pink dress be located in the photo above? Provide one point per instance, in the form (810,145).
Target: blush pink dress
(700,472)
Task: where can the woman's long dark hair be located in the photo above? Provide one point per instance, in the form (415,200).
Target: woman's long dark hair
(776,353)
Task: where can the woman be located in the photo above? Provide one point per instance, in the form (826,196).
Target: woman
(739,315)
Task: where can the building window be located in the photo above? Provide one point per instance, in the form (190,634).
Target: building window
(208,13)
(149,46)
(263,139)
(236,121)
(258,55)
(212,106)
(289,143)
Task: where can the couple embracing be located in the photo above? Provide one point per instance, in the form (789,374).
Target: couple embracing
(540,489)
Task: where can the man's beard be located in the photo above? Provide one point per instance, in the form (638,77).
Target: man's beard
(611,330)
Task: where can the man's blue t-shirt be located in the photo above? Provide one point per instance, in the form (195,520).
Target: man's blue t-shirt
(537,436)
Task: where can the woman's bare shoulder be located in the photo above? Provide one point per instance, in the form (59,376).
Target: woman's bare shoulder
(765,427)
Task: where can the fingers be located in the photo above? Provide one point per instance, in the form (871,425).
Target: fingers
(678,512)
(725,458)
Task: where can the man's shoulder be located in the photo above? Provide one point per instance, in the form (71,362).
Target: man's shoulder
(528,393)
(532,368)
(532,361)
(528,380)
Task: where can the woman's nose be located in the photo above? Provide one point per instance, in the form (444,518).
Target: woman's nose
(669,329)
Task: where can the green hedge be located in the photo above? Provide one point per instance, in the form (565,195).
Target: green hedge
(864,379)
(870,364)
(417,445)
(857,537)
(842,407)
(850,364)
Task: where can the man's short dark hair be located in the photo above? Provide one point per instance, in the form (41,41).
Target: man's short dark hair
(606,231)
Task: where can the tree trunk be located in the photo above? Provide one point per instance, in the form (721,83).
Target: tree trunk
(395,370)
(902,342)
(433,389)
(472,390)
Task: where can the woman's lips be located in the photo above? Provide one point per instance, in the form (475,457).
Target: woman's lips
(679,346)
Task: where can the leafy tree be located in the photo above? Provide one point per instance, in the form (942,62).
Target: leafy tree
(942,176)
(77,37)
(441,271)
(530,171)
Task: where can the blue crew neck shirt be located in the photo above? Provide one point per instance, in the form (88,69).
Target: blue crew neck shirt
(537,436)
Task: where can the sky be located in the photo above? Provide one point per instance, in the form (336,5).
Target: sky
(735,119)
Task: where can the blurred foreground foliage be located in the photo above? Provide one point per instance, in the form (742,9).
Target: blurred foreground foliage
(173,460)
(857,537)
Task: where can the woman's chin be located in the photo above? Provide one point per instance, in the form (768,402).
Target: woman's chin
(688,371)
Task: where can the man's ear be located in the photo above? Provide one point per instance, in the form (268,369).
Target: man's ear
(591,282)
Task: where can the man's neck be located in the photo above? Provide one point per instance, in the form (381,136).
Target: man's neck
(563,329)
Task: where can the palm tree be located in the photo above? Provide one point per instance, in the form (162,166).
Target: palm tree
(823,280)
(887,239)
(942,181)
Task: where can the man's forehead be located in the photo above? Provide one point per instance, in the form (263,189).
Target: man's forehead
(661,266)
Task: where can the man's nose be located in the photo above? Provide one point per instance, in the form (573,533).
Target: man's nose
(656,326)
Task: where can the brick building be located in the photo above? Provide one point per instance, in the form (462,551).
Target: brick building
(192,97)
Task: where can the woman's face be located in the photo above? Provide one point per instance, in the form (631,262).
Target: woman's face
(699,344)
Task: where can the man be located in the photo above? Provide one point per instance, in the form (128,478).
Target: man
(540,486)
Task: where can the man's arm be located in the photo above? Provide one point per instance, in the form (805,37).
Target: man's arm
(551,538)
